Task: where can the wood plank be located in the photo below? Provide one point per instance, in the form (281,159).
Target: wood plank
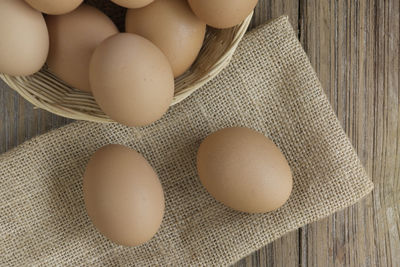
(21,121)
(270,9)
(354,48)
(358,65)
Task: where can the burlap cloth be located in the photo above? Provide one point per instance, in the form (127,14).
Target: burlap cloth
(269,86)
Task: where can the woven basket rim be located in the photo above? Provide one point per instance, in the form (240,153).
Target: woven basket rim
(44,101)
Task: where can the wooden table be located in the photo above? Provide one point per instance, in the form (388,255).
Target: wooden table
(354,47)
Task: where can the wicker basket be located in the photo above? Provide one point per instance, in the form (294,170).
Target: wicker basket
(48,92)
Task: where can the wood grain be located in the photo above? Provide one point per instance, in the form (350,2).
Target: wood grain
(354,48)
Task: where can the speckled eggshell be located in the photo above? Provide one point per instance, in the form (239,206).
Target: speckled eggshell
(73,39)
(54,7)
(24,40)
(132,3)
(131,79)
(172,26)
(222,14)
(123,195)
(244,170)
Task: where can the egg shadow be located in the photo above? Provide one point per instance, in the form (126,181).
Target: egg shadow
(62,205)
(114,11)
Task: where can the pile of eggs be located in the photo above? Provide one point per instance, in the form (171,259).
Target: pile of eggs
(131,75)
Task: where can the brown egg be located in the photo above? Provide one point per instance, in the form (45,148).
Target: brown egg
(222,14)
(73,39)
(54,7)
(176,30)
(24,40)
(244,170)
(131,79)
(132,3)
(123,195)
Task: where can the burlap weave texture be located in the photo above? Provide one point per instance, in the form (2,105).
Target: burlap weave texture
(269,86)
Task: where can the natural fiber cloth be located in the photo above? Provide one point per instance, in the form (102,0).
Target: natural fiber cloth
(269,86)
